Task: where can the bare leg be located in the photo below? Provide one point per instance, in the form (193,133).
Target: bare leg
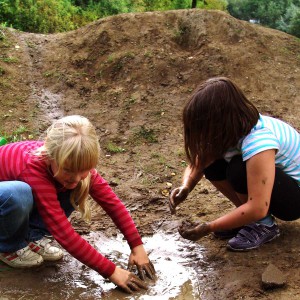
(226,189)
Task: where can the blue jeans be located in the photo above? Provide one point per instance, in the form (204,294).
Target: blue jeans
(20,221)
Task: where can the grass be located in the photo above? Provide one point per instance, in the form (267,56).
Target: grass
(113,148)
(5,83)
(9,59)
(110,59)
(53,74)
(2,34)
(146,134)
(5,42)
(19,134)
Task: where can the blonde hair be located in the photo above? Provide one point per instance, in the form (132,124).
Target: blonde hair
(72,141)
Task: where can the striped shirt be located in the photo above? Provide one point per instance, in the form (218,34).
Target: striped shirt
(270,133)
(18,163)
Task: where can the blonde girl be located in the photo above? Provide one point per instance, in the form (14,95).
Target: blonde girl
(42,183)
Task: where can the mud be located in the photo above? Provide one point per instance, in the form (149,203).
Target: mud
(174,260)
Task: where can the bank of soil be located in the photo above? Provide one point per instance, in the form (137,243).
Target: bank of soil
(131,75)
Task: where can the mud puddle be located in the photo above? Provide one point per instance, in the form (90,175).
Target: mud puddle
(174,260)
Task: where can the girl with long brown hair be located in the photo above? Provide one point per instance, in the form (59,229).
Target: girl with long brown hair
(253,159)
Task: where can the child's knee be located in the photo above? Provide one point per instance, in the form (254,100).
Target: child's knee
(15,197)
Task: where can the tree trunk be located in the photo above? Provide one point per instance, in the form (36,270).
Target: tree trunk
(194,3)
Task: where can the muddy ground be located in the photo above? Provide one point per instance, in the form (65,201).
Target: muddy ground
(131,75)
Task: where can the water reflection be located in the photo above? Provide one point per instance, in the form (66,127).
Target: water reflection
(172,257)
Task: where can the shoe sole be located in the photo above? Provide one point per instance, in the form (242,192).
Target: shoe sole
(252,248)
(52,258)
(17,266)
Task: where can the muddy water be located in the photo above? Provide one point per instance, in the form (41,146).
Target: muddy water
(173,258)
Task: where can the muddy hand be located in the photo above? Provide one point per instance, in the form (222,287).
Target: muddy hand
(133,284)
(144,270)
(194,232)
(177,196)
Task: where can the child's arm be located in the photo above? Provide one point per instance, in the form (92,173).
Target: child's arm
(190,179)
(260,180)
(103,195)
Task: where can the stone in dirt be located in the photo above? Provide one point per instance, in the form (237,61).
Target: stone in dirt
(272,278)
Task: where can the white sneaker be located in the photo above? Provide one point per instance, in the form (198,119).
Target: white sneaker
(23,258)
(44,248)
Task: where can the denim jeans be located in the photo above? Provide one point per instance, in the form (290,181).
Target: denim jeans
(20,221)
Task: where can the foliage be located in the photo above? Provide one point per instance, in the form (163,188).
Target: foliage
(278,14)
(44,16)
(49,16)
(106,8)
(213,4)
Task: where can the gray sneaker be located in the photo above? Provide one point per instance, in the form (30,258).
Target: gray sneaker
(252,236)
(23,258)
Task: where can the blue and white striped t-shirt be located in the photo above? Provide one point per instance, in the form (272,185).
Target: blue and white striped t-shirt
(270,133)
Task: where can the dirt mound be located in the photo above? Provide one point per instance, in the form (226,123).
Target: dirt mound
(131,75)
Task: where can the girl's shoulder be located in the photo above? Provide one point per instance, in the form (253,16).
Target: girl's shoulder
(28,144)
(23,148)
(273,124)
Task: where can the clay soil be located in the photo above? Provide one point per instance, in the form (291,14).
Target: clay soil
(131,75)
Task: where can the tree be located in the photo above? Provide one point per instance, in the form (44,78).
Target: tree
(44,16)
(295,25)
(194,3)
(278,14)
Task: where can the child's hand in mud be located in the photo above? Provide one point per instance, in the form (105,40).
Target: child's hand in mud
(193,231)
(139,260)
(127,281)
(144,270)
(177,196)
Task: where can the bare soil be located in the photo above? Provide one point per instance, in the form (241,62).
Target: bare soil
(131,75)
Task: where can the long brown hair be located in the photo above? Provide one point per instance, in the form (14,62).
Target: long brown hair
(215,118)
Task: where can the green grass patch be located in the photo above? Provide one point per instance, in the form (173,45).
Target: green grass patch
(9,59)
(113,148)
(19,134)
(146,134)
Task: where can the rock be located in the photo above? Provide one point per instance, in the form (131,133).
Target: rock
(272,278)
